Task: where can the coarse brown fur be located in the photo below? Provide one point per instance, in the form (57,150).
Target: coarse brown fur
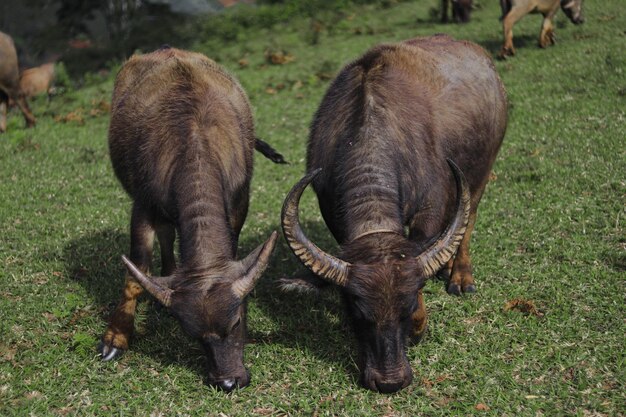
(37,80)
(10,83)
(461,10)
(514,10)
(181,141)
(381,137)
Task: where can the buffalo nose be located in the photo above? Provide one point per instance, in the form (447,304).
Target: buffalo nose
(389,387)
(228,384)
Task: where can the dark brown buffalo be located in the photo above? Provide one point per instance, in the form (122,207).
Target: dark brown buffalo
(380,156)
(514,10)
(181,141)
(461,10)
(10,83)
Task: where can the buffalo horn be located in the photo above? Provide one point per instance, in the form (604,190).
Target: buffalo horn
(162,294)
(254,264)
(440,252)
(319,262)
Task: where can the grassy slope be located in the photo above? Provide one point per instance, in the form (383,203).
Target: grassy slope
(550,230)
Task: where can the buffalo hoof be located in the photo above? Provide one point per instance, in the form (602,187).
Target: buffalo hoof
(454,289)
(506,52)
(469,289)
(109,352)
(417,338)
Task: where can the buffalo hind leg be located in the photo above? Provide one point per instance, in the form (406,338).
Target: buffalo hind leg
(166,234)
(420,319)
(459,268)
(122,322)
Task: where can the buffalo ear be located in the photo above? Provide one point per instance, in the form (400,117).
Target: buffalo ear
(164,295)
(253,266)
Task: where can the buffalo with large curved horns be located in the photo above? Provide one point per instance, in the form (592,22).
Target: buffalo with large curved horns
(380,159)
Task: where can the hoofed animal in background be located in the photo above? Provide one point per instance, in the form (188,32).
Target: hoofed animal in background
(37,80)
(380,156)
(514,10)
(461,10)
(181,141)
(10,83)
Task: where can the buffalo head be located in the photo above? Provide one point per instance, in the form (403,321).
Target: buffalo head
(210,307)
(573,9)
(380,274)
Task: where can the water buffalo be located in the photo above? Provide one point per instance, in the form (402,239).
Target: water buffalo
(399,154)
(514,10)
(37,80)
(181,141)
(10,83)
(461,10)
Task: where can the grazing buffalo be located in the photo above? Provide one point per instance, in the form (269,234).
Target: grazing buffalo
(461,10)
(399,154)
(10,83)
(37,80)
(181,141)
(514,10)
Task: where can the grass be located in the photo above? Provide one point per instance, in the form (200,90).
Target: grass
(550,237)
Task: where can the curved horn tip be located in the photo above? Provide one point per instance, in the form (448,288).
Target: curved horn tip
(160,293)
(132,268)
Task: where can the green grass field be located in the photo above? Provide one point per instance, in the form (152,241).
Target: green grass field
(544,335)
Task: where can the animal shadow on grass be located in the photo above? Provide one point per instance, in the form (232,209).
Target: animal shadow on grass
(95,262)
(493,45)
(313,322)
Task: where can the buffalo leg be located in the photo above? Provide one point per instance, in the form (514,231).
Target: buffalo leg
(23,105)
(547,38)
(4,104)
(122,322)
(460,267)
(420,319)
(444,11)
(515,14)
(166,234)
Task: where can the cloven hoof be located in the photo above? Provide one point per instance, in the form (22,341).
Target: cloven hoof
(109,352)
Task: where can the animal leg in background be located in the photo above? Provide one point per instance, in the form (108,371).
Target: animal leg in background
(515,14)
(122,322)
(547,37)
(444,11)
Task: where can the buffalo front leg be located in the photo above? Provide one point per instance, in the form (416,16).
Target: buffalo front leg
(122,322)
(420,319)
(460,267)
(547,36)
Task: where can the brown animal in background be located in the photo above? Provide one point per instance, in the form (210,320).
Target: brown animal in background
(37,80)
(514,10)
(181,141)
(461,10)
(10,83)
(380,158)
